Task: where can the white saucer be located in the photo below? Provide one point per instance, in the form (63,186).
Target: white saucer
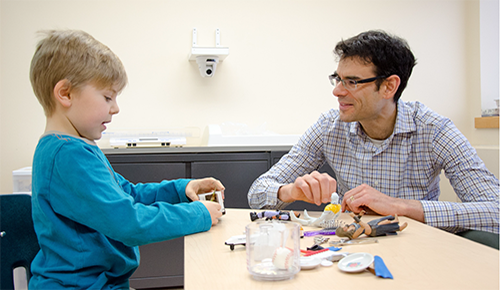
(307,263)
(356,262)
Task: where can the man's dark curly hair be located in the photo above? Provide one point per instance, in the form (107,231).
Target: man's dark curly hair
(391,55)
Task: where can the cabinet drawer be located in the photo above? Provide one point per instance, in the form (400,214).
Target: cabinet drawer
(236,176)
(162,265)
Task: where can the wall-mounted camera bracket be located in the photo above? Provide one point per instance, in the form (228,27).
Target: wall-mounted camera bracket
(218,50)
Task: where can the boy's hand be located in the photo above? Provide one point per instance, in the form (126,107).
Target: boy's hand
(214,210)
(204,185)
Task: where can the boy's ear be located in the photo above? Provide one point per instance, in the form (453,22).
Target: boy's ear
(62,93)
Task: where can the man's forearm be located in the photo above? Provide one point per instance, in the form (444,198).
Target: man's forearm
(285,193)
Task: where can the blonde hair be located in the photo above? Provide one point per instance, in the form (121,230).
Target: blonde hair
(77,57)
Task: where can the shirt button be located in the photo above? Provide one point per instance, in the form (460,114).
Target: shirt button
(376,182)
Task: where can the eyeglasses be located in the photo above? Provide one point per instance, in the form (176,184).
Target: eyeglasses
(350,84)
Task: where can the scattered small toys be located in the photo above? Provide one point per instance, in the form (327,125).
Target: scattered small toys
(272,215)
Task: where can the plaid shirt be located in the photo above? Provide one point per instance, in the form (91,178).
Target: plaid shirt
(407,165)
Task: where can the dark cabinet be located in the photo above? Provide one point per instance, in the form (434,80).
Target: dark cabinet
(162,265)
(237,177)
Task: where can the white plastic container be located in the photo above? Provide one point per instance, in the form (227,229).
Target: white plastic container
(21,180)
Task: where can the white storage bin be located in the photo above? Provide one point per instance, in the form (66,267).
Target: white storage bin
(21,180)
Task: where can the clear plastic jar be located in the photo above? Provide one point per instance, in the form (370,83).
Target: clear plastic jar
(273,249)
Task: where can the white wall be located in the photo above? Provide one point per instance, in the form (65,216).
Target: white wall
(490,53)
(276,72)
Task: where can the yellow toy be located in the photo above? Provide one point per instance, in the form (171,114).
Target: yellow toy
(334,204)
(327,219)
(333,207)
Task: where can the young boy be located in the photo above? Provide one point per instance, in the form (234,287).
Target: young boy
(89,219)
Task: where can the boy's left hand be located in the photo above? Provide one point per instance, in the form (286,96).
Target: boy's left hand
(204,185)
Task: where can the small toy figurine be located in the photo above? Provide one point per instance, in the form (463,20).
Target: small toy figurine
(271,215)
(327,218)
(236,240)
(334,204)
(215,196)
(374,228)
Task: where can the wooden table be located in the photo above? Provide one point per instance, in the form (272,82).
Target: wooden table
(420,257)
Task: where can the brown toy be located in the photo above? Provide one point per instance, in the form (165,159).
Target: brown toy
(374,228)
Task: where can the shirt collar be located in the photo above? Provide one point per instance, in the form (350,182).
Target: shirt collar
(404,121)
(90,142)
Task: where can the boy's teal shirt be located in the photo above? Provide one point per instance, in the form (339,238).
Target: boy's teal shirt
(90,220)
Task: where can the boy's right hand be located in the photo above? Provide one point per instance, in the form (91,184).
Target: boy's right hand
(214,210)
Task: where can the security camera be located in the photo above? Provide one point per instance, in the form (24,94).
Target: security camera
(207,65)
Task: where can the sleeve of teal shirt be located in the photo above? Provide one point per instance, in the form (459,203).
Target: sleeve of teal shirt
(173,191)
(87,190)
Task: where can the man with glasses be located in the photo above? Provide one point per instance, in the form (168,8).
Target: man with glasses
(386,154)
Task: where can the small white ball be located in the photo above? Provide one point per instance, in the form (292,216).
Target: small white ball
(282,258)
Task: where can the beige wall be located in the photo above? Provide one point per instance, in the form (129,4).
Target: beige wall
(276,72)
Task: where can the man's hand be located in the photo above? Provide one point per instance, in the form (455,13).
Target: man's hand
(214,210)
(365,197)
(205,185)
(313,188)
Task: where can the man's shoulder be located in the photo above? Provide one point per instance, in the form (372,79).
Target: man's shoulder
(421,114)
(331,117)
(330,121)
(331,114)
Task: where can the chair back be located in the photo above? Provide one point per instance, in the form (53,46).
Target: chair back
(18,242)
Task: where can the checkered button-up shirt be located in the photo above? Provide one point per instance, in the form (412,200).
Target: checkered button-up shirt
(407,165)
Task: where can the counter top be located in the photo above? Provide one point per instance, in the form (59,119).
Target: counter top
(196,149)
